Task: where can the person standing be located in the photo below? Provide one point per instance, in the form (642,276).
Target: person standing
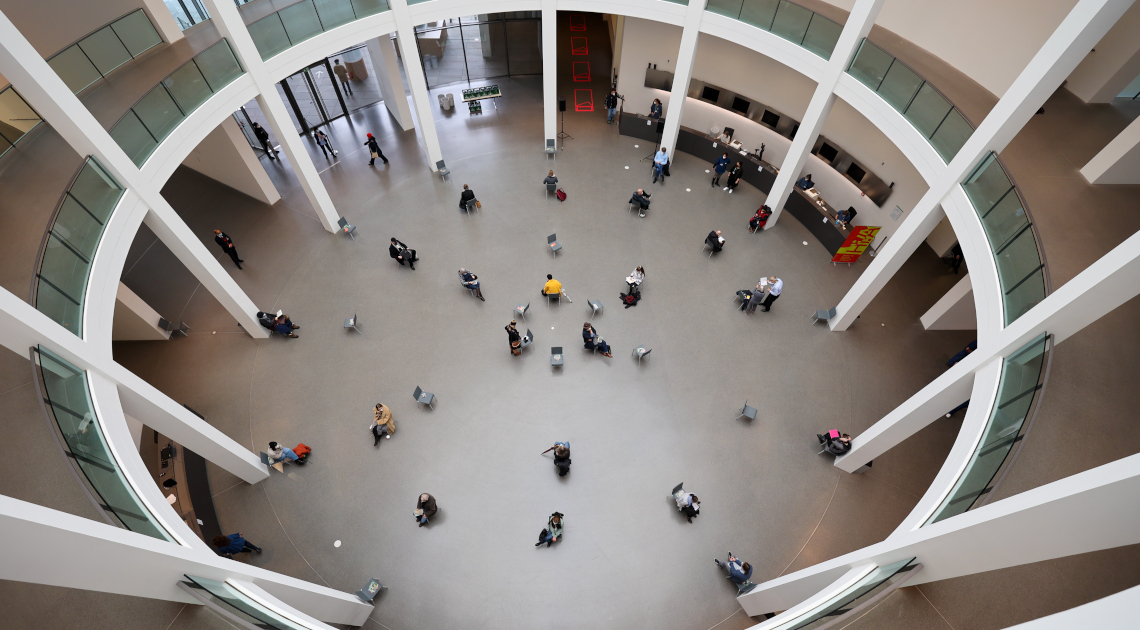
(719,167)
(468,196)
(733,178)
(228,247)
(263,137)
(471,281)
(383,424)
(805,182)
(425,508)
(687,503)
(957,253)
(611,106)
(738,571)
(233,544)
(775,288)
(342,76)
(323,143)
(553,531)
(562,458)
(659,162)
(374,150)
(514,338)
(400,252)
(655,109)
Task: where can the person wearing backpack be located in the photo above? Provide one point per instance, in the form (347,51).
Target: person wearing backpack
(562,458)
(553,531)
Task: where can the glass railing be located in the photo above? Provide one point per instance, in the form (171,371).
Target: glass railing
(1021,378)
(932,114)
(879,579)
(98,54)
(155,115)
(234,604)
(295,23)
(1020,263)
(794,23)
(69,403)
(65,263)
(17,118)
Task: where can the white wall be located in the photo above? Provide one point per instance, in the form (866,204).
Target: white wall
(991,41)
(1119,161)
(225,156)
(134,319)
(953,311)
(51,25)
(1113,63)
(942,238)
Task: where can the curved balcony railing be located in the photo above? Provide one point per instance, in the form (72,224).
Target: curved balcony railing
(1022,272)
(68,399)
(283,29)
(794,23)
(96,55)
(151,119)
(931,113)
(231,603)
(17,118)
(877,580)
(70,243)
(1022,377)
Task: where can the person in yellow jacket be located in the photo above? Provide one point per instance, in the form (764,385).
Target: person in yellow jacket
(552,286)
(383,424)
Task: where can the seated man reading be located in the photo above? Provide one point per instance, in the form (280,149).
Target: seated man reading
(715,240)
(641,199)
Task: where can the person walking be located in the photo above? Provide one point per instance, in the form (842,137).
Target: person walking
(342,75)
(719,167)
(400,253)
(471,281)
(659,162)
(324,144)
(425,508)
(263,137)
(738,571)
(468,196)
(591,340)
(775,288)
(374,150)
(383,424)
(233,544)
(562,457)
(514,338)
(553,531)
(733,178)
(611,106)
(228,247)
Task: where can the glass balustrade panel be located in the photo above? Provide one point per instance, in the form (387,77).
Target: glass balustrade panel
(96,190)
(685,2)
(1018,260)
(1005,220)
(369,7)
(105,50)
(159,112)
(61,281)
(986,185)
(237,603)
(16,116)
(1023,296)
(333,13)
(730,8)
(927,110)
(133,138)
(822,35)
(759,13)
(136,32)
(75,69)
(899,86)
(951,135)
(269,36)
(301,21)
(4,145)
(60,307)
(791,22)
(188,87)
(870,65)
(218,65)
(78,228)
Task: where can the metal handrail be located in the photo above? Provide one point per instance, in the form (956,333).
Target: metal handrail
(1032,224)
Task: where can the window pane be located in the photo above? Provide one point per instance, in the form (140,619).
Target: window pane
(442,51)
(333,13)
(65,269)
(77,228)
(951,135)
(73,67)
(986,185)
(731,8)
(158,112)
(96,190)
(16,117)
(369,7)
(269,36)
(791,22)
(927,110)
(61,308)
(822,35)
(218,65)
(870,65)
(301,21)
(523,47)
(133,138)
(1018,260)
(486,48)
(136,31)
(105,50)
(188,87)
(899,86)
(759,13)
(1024,296)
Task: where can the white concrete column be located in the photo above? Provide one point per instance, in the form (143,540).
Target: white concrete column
(60,549)
(953,311)
(1098,290)
(1115,612)
(682,75)
(1112,64)
(550,71)
(228,21)
(417,82)
(1119,161)
(135,320)
(46,92)
(225,156)
(858,24)
(387,68)
(1085,24)
(1093,510)
(619,39)
(162,20)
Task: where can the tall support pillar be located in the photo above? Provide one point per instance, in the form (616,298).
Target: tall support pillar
(163,20)
(229,23)
(549,70)
(417,82)
(682,75)
(1081,29)
(52,99)
(387,67)
(859,23)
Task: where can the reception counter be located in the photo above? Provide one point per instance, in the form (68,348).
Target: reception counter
(809,210)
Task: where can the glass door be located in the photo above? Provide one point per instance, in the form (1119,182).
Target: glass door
(313,96)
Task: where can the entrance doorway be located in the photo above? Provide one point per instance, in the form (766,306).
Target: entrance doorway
(313,96)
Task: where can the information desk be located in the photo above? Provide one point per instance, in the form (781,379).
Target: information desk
(756,172)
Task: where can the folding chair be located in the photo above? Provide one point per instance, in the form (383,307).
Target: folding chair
(595,306)
(641,351)
(442,169)
(552,242)
(521,309)
(550,188)
(347,227)
(426,398)
(557,297)
(174,330)
(472,205)
(556,356)
(550,149)
(527,339)
(748,412)
(712,248)
(823,316)
(351,323)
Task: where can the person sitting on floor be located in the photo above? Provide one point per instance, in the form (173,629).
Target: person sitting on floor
(285,326)
(640,199)
(553,531)
(278,453)
(835,442)
(383,424)
(591,340)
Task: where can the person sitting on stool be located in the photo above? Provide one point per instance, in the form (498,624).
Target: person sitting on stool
(552,286)
(471,281)
(715,240)
(591,340)
(640,199)
(805,182)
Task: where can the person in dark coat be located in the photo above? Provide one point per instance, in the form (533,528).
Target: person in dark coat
(715,240)
(285,326)
(719,167)
(970,347)
(425,508)
(233,544)
(590,340)
(466,196)
(562,458)
(611,104)
(400,252)
(374,150)
(514,338)
(263,137)
(957,253)
(734,178)
(228,247)
(471,281)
